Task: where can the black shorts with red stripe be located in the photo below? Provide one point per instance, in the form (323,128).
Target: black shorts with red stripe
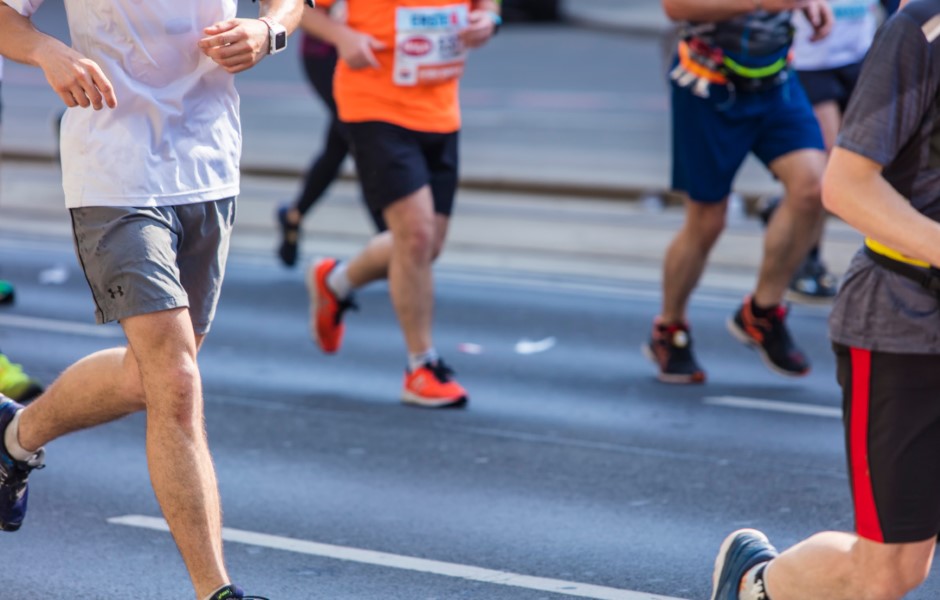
(891,408)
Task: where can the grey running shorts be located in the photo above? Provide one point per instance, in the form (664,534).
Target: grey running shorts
(144,260)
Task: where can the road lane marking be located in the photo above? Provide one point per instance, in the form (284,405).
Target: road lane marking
(57,326)
(408,563)
(775,406)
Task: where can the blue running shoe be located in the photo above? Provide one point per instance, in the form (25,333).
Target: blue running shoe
(233,592)
(14,491)
(741,551)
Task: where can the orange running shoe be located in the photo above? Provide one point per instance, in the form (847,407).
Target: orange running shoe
(433,386)
(326,310)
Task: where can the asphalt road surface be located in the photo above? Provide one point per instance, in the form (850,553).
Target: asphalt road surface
(572,473)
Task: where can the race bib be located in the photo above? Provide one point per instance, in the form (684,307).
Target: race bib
(852,10)
(428,49)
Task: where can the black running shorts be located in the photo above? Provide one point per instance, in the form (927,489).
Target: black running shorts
(394,162)
(830,85)
(891,408)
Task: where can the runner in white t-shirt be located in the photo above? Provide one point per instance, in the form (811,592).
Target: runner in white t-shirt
(150,177)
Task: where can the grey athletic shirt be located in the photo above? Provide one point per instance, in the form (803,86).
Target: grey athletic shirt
(894,120)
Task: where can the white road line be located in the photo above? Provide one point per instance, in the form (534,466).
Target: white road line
(775,406)
(382,559)
(56,326)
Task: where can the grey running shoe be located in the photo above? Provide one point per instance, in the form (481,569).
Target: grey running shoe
(14,489)
(739,553)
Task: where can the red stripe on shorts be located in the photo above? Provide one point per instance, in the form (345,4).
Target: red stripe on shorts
(866,514)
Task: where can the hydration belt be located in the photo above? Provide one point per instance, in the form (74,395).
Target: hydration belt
(701,65)
(922,273)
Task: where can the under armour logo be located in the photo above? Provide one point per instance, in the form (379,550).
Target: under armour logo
(115,293)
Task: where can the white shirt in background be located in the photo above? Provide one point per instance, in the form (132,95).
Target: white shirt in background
(175,137)
(851,36)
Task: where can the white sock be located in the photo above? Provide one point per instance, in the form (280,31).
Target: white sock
(752,584)
(416,361)
(210,596)
(11,440)
(338,281)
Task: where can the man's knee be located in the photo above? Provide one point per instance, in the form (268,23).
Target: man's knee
(416,239)
(705,221)
(178,396)
(805,195)
(803,182)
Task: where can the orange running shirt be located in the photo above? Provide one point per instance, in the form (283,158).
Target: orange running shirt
(416,86)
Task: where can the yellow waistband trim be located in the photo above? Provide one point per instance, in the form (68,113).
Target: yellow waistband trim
(883,250)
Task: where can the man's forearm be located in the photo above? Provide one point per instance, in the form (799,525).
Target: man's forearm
(285,12)
(708,10)
(19,39)
(855,190)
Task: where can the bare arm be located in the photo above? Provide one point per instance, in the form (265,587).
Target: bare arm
(79,81)
(285,12)
(481,26)
(854,189)
(239,44)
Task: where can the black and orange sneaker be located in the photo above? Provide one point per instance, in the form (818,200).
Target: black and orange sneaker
(768,335)
(670,349)
(433,386)
(326,310)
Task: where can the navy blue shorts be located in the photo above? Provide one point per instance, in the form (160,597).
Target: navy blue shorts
(712,136)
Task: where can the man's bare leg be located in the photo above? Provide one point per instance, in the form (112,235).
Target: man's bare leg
(157,372)
(181,468)
(795,226)
(412,224)
(687,255)
(98,389)
(842,566)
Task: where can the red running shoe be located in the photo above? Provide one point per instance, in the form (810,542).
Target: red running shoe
(326,310)
(433,386)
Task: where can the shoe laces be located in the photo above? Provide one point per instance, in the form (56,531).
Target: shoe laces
(442,372)
(10,373)
(14,472)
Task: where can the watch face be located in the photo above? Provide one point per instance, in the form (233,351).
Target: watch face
(280,40)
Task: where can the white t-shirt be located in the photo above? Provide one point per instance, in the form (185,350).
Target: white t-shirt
(851,36)
(175,137)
